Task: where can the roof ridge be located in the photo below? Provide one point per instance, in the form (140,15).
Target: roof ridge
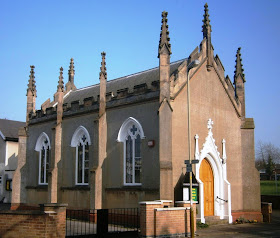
(129,75)
(4,119)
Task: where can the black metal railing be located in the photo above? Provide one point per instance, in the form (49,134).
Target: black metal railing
(222,199)
(123,219)
(81,222)
(101,222)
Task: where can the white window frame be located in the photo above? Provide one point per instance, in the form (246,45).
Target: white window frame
(43,142)
(123,134)
(80,137)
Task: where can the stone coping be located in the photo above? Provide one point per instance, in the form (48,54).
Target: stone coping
(172,209)
(164,201)
(150,203)
(186,202)
(160,202)
(49,212)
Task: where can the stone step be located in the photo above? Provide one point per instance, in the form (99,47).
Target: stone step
(215,220)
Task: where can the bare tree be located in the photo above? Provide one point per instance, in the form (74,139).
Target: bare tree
(267,155)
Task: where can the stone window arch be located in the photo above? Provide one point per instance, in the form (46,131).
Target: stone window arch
(43,146)
(81,141)
(131,134)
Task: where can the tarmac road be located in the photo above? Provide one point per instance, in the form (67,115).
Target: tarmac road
(248,230)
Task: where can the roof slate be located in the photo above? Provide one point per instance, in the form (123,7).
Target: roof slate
(9,129)
(114,85)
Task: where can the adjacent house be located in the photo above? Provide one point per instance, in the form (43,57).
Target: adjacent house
(8,156)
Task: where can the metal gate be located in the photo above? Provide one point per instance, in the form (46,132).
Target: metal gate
(117,222)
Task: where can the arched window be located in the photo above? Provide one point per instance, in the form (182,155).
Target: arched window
(130,134)
(43,146)
(81,140)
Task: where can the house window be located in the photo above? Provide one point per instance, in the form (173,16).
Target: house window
(81,140)
(131,134)
(43,147)
(0,180)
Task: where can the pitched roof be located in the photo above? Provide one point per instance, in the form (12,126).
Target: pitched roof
(9,129)
(114,85)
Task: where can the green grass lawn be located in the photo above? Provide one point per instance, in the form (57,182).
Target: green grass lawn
(269,188)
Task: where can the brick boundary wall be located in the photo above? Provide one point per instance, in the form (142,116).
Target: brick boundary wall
(49,221)
(247,215)
(159,219)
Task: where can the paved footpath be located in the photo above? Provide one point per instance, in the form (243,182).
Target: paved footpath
(248,230)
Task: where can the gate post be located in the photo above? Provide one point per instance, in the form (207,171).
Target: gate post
(187,204)
(147,217)
(102,222)
(56,220)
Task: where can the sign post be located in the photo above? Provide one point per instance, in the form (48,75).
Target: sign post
(193,191)
(193,64)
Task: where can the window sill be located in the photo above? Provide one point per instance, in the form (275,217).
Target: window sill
(38,187)
(76,188)
(132,188)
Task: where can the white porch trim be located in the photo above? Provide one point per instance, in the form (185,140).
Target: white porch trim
(222,188)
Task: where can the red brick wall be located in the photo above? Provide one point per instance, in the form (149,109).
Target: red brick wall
(156,221)
(170,222)
(147,218)
(49,222)
(247,215)
(23,225)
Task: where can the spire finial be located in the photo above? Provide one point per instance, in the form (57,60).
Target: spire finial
(71,71)
(31,82)
(206,27)
(164,35)
(103,66)
(239,66)
(60,86)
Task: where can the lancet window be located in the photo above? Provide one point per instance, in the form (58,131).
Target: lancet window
(43,147)
(81,140)
(131,134)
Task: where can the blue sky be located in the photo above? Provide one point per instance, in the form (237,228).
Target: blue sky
(48,33)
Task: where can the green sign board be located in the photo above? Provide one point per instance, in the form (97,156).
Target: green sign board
(194,194)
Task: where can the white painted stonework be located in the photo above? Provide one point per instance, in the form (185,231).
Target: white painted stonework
(124,131)
(222,188)
(78,135)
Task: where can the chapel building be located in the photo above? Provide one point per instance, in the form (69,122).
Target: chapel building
(123,141)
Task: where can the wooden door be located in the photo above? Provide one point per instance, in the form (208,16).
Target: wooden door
(206,176)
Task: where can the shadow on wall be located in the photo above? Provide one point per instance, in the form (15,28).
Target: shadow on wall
(12,162)
(178,190)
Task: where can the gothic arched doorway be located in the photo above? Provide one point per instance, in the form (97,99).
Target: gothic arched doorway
(206,176)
